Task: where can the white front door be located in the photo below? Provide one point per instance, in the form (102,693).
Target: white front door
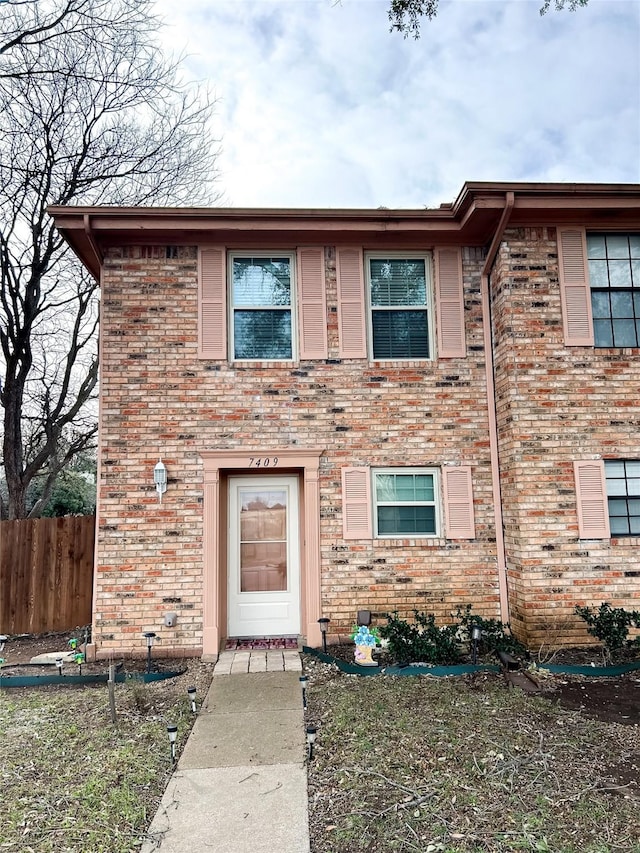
(264,557)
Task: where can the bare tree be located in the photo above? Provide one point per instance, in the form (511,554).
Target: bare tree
(32,23)
(90,113)
(406,15)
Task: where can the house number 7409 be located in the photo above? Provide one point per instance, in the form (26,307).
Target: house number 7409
(263,461)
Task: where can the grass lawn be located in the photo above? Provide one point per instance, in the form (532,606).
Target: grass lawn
(466,764)
(401,764)
(70,780)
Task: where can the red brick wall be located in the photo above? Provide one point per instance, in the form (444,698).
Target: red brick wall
(556,404)
(159,399)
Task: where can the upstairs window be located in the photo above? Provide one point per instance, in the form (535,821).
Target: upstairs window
(623,497)
(405,502)
(261,307)
(399,298)
(614,279)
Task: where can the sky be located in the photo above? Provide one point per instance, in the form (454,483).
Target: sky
(319,105)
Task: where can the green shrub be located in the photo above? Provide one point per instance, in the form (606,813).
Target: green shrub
(422,640)
(496,636)
(611,626)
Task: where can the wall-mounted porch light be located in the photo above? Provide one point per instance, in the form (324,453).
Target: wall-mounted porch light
(160,479)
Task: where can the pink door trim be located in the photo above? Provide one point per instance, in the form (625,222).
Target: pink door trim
(214,569)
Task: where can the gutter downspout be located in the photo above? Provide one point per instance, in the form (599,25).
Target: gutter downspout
(501,555)
(90,649)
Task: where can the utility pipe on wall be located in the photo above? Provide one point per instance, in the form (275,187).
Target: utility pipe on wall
(491,405)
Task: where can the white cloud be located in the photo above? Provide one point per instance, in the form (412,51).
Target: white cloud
(320,106)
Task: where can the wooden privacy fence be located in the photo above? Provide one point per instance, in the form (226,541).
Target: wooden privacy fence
(46,574)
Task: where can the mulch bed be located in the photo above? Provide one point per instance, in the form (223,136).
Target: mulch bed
(614,700)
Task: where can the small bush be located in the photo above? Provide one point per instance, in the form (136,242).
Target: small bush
(611,626)
(422,640)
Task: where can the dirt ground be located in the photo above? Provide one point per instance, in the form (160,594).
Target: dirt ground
(613,700)
(19,650)
(22,648)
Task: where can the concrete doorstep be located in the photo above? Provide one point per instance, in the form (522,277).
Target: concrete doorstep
(241,782)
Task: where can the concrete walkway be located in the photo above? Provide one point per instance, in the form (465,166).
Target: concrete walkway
(240,785)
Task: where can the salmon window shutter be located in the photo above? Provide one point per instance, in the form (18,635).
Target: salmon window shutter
(351,304)
(450,303)
(458,503)
(212,313)
(356,504)
(591,495)
(312,305)
(575,295)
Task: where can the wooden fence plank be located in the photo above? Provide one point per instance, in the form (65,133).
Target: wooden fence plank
(46,574)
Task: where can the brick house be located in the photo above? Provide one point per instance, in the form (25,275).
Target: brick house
(383,409)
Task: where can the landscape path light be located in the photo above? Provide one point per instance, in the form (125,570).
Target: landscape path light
(59,665)
(324,624)
(304,684)
(311,739)
(172,732)
(3,640)
(149,637)
(191,692)
(476,636)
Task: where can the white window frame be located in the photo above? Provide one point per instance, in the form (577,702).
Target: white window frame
(427,257)
(292,307)
(436,503)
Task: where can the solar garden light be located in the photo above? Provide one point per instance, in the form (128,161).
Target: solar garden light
(476,636)
(191,692)
(3,640)
(79,660)
(304,684)
(311,739)
(324,624)
(172,732)
(59,665)
(149,636)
